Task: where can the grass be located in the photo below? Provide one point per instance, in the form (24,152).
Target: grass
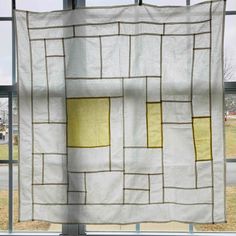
(29,226)
(3,210)
(230,137)
(231,215)
(44,226)
(230,133)
(4,152)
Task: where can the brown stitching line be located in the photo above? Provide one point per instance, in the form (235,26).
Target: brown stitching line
(121,204)
(147,126)
(130,173)
(201,117)
(93,172)
(207,48)
(184,188)
(32,167)
(76,191)
(95,98)
(118,27)
(89,146)
(85,188)
(66,110)
(149,189)
(43,168)
(115,35)
(119,22)
(193,131)
(115,77)
(146,111)
(109,130)
(136,189)
(55,55)
(48,153)
(100,51)
(176,123)
(129,70)
(161,97)
(175,101)
(154,102)
(123,123)
(32,114)
(51,122)
(43,184)
(152,147)
(164,28)
(73,30)
(204,160)
(144,147)
(133,222)
(212,167)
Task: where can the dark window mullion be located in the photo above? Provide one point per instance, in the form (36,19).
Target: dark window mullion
(10,165)
(10,147)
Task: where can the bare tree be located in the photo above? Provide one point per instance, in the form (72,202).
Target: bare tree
(228,69)
(229,75)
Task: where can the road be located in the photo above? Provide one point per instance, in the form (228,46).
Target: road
(4,177)
(230,176)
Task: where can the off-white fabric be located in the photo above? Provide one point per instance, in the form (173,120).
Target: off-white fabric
(138,79)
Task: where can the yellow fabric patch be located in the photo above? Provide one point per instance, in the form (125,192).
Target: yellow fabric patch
(202,138)
(88,122)
(154,126)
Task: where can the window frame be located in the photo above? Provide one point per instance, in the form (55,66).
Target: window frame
(8,91)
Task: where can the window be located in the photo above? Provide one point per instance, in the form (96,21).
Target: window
(9,129)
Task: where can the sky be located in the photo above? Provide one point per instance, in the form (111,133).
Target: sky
(48,5)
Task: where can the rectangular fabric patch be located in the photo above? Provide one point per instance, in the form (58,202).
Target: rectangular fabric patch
(121,114)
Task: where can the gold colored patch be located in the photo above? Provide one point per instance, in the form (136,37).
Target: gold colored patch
(154,126)
(88,122)
(202,138)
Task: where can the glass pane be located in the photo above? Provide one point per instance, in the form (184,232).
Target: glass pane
(230,176)
(15,128)
(197,1)
(230,49)
(231,215)
(3,129)
(230,134)
(3,197)
(166,2)
(5,53)
(108,2)
(39,5)
(159,227)
(110,227)
(173,226)
(29,225)
(231,5)
(5,8)
(26,226)
(230,125)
